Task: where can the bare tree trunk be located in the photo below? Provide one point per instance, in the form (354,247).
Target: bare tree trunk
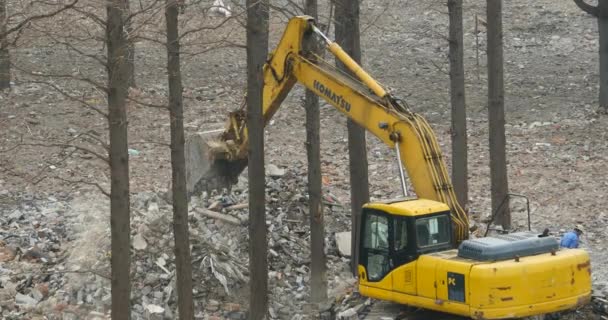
(183,260)
(318,269)
(496,114)
(130,44)
(257,52)
(602,21)
(118,78)
(5,62)
(601,13)
(458,101)
(348,36)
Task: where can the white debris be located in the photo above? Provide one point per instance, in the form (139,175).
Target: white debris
(152,308)
(22,299)
(274,171)
(343,243)
(349,314)
(139,243)
(220,9)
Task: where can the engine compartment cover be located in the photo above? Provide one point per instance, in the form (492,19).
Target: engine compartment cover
(507,246)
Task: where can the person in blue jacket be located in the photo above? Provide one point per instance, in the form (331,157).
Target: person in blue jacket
(570,239)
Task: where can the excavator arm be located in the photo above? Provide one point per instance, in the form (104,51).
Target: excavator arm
(360,98)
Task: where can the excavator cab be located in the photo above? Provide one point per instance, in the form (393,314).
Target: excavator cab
(407,255)
(396,233)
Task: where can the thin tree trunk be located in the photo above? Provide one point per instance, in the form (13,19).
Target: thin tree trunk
(130,44)
(318,269)
(257,52)
(496,114)
(183,261)
(601,13)
(119,161)
(602,21)
(348,36)
(458,101)
(5,62)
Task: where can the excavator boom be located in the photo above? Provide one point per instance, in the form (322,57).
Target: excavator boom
(360,98)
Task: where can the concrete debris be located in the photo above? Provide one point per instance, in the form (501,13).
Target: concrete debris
(94,315)
(22,299)
(219,251)
(152,308)
(139,243)
(349,314)
(212,305)
(274,171)
(343,243)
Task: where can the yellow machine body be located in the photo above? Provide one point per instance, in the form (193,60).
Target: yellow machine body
(514,288)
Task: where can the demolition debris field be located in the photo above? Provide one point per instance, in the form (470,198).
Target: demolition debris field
(54,248)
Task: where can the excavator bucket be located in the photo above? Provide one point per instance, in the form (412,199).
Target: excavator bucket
(208,166)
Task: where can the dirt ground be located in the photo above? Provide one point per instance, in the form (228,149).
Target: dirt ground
(557,145)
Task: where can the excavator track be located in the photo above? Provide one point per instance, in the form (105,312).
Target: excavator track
(383,310)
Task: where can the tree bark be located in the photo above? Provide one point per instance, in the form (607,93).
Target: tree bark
(496,114)
(257,52)
(601,13)
(592,10)
(602,21)
(5,62)
(183,261)
(318,269)
(458,101)
(119,161)
(130,44)
(348,36)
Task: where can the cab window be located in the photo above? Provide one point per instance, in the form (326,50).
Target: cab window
(400,235)
(432,231)
(376,246)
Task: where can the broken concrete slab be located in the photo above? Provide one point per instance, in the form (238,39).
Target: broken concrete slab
(139,243)
(343,243)
(274,171)
(22,299)
(349,314)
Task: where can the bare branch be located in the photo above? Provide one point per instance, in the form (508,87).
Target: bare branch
(27,20)
(89,183)
(67,145)
(69,96)
(93,137)
(439,68)
(87,13)
(592,10)
(70,46)
(146,104)
(143,10)
(207,28)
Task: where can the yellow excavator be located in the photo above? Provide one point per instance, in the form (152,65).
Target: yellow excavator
(416,250)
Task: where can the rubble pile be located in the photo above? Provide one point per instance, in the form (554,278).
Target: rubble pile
(54,254)
(36,270)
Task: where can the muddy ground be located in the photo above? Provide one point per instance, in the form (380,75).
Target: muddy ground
(557,147)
